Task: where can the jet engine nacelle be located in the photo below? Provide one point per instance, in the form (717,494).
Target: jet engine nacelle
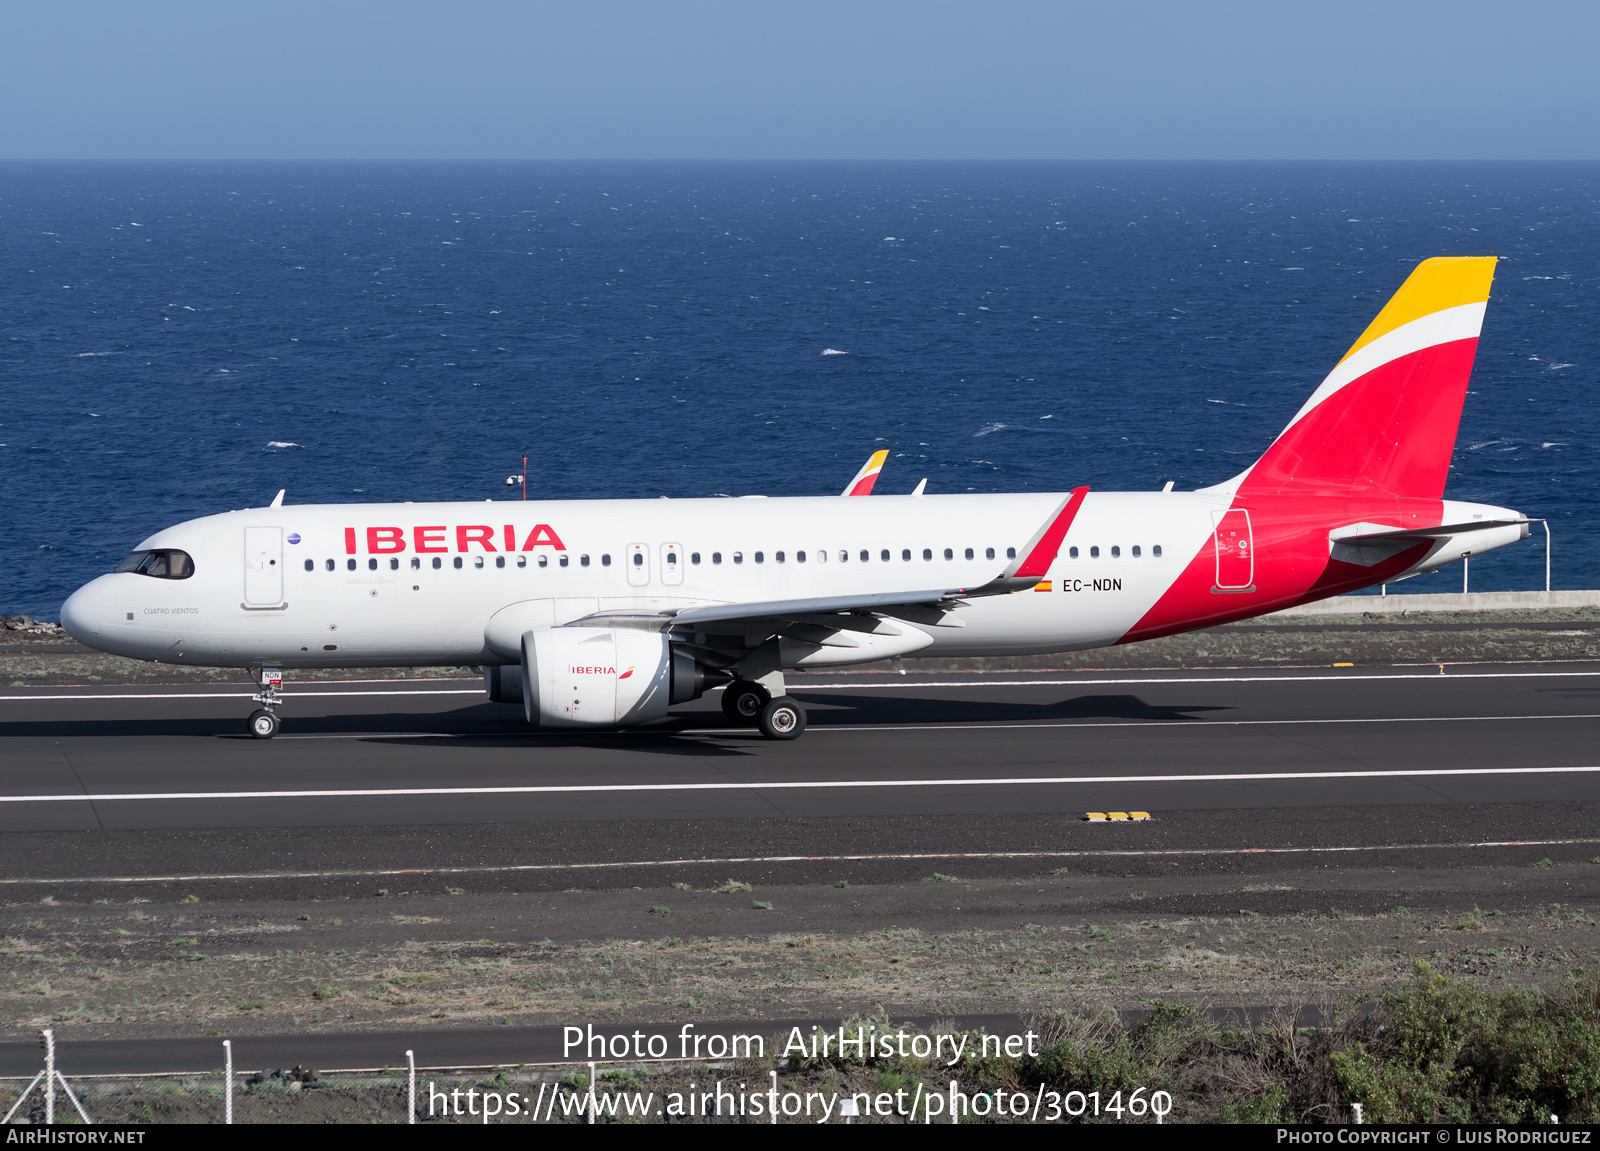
(603,677)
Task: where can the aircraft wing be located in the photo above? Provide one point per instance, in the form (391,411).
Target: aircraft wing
(867,476)
(932,606)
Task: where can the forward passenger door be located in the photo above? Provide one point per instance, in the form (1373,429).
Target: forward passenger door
(263,567)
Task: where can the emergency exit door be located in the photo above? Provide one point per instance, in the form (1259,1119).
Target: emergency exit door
(671,564)
(263,567)
(1236,559)
(638,565)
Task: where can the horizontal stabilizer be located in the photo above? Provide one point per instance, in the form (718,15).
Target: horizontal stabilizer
(1369,544)
(1420,535)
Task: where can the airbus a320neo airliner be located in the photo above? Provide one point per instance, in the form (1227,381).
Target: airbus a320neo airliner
(605,613)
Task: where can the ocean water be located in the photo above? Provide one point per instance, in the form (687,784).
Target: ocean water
(180,339)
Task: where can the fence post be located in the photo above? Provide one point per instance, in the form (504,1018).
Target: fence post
(411,1086)
(49,1076)
(773,1099)
(1466,560)
(227,1075)
(1546,524)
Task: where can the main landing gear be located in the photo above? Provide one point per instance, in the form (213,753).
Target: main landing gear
(263,722)
(748,704)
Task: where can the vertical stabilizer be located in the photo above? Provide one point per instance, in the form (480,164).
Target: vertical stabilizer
(1385,419)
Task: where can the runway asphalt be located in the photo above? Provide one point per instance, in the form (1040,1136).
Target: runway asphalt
(393,753)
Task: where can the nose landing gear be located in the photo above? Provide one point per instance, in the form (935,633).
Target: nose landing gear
(263,722)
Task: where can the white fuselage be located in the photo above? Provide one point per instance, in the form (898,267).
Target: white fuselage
(355,585)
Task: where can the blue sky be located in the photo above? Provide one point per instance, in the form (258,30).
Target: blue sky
(817,79)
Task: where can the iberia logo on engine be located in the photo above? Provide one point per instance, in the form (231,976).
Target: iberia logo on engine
(593,670)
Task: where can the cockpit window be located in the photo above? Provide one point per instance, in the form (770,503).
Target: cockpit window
(163,564)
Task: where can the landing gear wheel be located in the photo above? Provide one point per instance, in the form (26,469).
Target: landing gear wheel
(742,702)
(263,724)
(783,718)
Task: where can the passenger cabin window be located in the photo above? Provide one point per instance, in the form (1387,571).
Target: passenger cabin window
(738,557)
(1156,551)
(760,558)
(799,557)
(457,562)
(1116,552)
(716,557)
(372,565)
(477,561)
(330,565)
(969,553)
(522,561)
(927,553)
(416,562)
(1011,553)
(780,557)
(565,560)
(988,553)
(866,555)
(1073,552)
(950,555)
(544,561)
(438,563)
(905,555)
(311,565)
(499,561)
(605,560)
(694,557)
(638,559)
(1135,551)
(350,565)
(884,555)
(1094,552)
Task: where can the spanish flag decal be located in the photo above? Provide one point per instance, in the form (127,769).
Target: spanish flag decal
(1043,585)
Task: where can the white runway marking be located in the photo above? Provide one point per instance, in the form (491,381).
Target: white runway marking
(491,869)
(798,785)
(246,695)
(1432,675)
(953,726)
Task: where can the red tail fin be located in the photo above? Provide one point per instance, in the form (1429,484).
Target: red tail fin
(1385,419)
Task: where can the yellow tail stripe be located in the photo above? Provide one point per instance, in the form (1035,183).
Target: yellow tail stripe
(1436,284)
(877,460)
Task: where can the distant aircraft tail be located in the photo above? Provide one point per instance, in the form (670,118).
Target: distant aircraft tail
(1385,419)
(867,476)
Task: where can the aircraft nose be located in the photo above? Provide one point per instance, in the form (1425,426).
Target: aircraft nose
(82,614)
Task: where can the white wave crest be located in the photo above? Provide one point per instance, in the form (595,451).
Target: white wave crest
(833,352)
(281,444)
